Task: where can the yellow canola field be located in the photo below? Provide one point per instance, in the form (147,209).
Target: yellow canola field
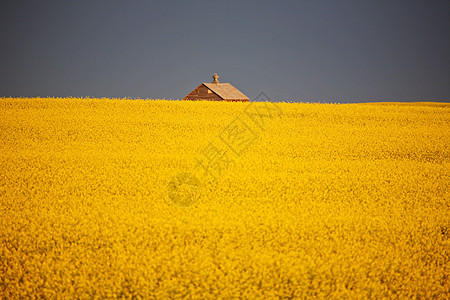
(321,201)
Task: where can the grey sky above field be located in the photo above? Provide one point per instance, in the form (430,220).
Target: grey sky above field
(310,51)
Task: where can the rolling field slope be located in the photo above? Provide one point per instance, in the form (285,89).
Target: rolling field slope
(210,200)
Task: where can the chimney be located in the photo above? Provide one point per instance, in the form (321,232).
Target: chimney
(216,78)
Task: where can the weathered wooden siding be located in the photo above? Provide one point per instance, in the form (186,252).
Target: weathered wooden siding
(202,93)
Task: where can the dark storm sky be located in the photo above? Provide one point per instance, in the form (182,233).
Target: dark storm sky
(328,51)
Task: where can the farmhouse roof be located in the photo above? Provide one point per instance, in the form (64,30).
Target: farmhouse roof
(226,91)
(216,91)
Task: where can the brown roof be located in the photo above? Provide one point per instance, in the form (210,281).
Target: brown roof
(226,91)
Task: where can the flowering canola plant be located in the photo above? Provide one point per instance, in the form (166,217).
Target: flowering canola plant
(330,201)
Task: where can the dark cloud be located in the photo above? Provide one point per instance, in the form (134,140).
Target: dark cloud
(334,51)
